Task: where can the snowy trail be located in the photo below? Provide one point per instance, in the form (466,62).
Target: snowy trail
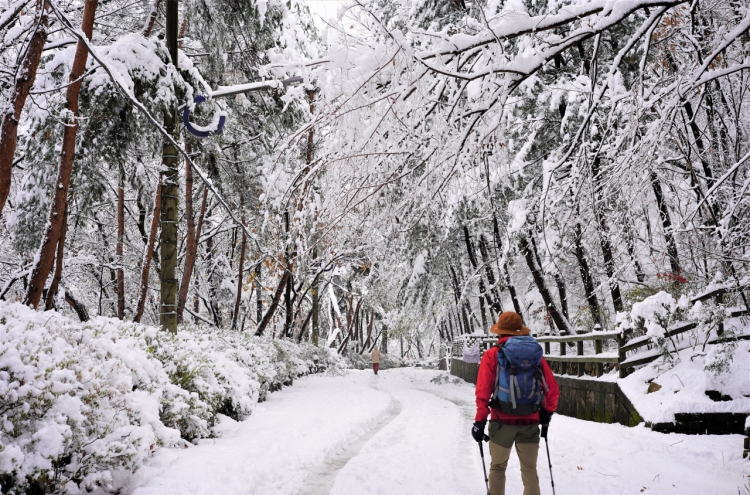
(322,477)
(400,434)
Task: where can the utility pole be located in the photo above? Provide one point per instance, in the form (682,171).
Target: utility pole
(170,191)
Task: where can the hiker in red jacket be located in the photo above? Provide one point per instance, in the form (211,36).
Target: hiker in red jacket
(506,429)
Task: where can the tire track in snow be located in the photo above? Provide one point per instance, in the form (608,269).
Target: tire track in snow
(322,477)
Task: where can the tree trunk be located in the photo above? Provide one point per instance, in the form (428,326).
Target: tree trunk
(288,310)
(23,84)
(630,245)
(314,290)
(191,242)
(369,328)
(55,285)
(78,307)
(259,289)
(474,265)
(541,285)
(46,256)
(304,327)
(586,278)
(666,222)
(151,19)
(239,274)
(607,251)
(274,304)
(456,295)
(506,272)
(148,255)
(495,301)
(170,191)
(120,241)
(563,295)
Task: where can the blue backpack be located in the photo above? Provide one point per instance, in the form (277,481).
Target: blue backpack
(520,385)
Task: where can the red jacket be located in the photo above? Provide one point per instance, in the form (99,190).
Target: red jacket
(486,379)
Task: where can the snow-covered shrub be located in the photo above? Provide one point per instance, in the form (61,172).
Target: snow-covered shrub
(81,401)
(709,321)
(77,402)
(363,361)
(653,316)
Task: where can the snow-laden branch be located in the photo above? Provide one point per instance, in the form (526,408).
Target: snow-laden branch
(120,84)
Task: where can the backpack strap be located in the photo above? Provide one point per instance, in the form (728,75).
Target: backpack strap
(497,375)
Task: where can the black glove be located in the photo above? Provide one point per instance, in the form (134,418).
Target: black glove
(544,417)
(477,431)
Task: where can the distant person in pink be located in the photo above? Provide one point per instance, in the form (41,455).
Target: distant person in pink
(375,356)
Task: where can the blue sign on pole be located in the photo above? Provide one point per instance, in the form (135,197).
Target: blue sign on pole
(200,131)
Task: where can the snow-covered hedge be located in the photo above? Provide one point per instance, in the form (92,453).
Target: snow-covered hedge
(363,361)
(79,401)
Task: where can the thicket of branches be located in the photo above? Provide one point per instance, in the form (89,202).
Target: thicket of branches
(439,163)
(564,160)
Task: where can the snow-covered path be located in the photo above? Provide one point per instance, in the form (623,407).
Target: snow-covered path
(400,434)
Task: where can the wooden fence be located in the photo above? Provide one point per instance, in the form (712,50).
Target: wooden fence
(613,349)
(628,351)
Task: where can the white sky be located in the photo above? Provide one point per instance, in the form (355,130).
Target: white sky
(323,9)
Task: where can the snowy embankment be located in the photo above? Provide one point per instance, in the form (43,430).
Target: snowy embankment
(406,431)
(84,403)
(682,387)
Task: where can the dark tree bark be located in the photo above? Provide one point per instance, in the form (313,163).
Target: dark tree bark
(120,242)
(77,306)
(588,281)
(148,255)
(46,258)
(506,272)
(495,301)
(541,285)
(243,244)
(170,190)
(666,221)
(23,84)
(304,327)
(55,284)
(456,296)
(288,302)
(630,245)
(563,294)
(259,290)
(474,265)
(314,294)
(239,276)
(274,304)
(151,19)
(607,251)
(191,243)
(450,324)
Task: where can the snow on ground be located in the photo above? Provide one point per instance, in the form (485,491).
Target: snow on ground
(684,385)
(398,433)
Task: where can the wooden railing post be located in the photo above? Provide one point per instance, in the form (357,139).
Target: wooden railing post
(546,348)
(621,340)
(581,365)
(598,350)
(563,365)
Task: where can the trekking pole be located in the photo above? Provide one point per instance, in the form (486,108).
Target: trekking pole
(484,468)
(546,443)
